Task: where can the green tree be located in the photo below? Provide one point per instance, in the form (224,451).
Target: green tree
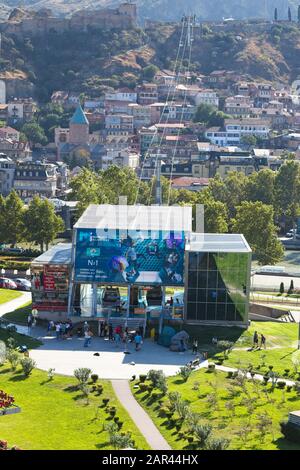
(298,14)
(215,213)
(149,72)
(287,192)
(259,186)
(289,14)
(11,219)
(255,221)
(2,219)
(86,189)
(230,191)
(42,225)
(34,133)
(249,141)
(275,14)
(203,113)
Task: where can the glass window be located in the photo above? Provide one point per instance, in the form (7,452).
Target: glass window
(211,311)
(192,295)
(202,279)
(191,311)
(201,311)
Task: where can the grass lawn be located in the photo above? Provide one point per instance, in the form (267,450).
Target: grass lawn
(21,340)
(281,345)
(281,342)
(55,415)
(239,424)
(19,315)
(7,294)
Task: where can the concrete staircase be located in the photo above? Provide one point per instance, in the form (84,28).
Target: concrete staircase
(132,323)
(288,317)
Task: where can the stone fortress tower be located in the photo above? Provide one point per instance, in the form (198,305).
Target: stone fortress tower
(79,127)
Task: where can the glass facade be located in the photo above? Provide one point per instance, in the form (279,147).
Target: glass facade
(217,286)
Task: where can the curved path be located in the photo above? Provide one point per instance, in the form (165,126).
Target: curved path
(139,416)
(12,305)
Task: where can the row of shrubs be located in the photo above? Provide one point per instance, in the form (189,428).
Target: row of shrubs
(11,264)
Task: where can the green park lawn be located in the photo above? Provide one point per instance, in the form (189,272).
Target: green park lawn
(239,424)
(20,340)
(19,315)
(281,348)
(55,415)
(281,342)
(6,295)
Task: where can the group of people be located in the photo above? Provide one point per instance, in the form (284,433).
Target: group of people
(62,329)
(256,341)
(117,335)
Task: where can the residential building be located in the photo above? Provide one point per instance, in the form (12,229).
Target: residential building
(147,93)
(15,150)
(119,124)
(7,172)
(142,115)
(190,183)
(33,178)
(122,158)
(238,105)
(235,130)
(124,94)
(9,133)
(20,110)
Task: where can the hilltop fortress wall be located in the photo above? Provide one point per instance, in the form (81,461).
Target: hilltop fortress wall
(24,23)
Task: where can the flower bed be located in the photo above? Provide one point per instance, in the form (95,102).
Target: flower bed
(7,404)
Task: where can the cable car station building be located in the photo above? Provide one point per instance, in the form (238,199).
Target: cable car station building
(144,262)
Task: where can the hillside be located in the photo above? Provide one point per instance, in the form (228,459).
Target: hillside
(166,10)
(94,60)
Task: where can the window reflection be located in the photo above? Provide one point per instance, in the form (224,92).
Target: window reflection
(217,286)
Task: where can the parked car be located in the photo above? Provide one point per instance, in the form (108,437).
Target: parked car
(291,233)
(14,250)
(6,283)
(23,284)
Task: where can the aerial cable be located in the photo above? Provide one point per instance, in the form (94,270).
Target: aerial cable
(164,108)
(167,120)
(191,39)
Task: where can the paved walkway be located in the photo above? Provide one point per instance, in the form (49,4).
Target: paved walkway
(139,416)
(24,298)
(111,361)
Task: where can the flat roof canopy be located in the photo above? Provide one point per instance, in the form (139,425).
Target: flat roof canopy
(106,216)
(218,242)
(57,254)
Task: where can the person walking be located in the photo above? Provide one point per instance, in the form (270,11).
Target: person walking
(51,326)
(63,330)
(87,338)
(138,341)
(195,346)
(57,330)
(255,339)
(263,341)
(110,332)
(105,329)
(86,327)
(29,322)
(117,338)
(101,329)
